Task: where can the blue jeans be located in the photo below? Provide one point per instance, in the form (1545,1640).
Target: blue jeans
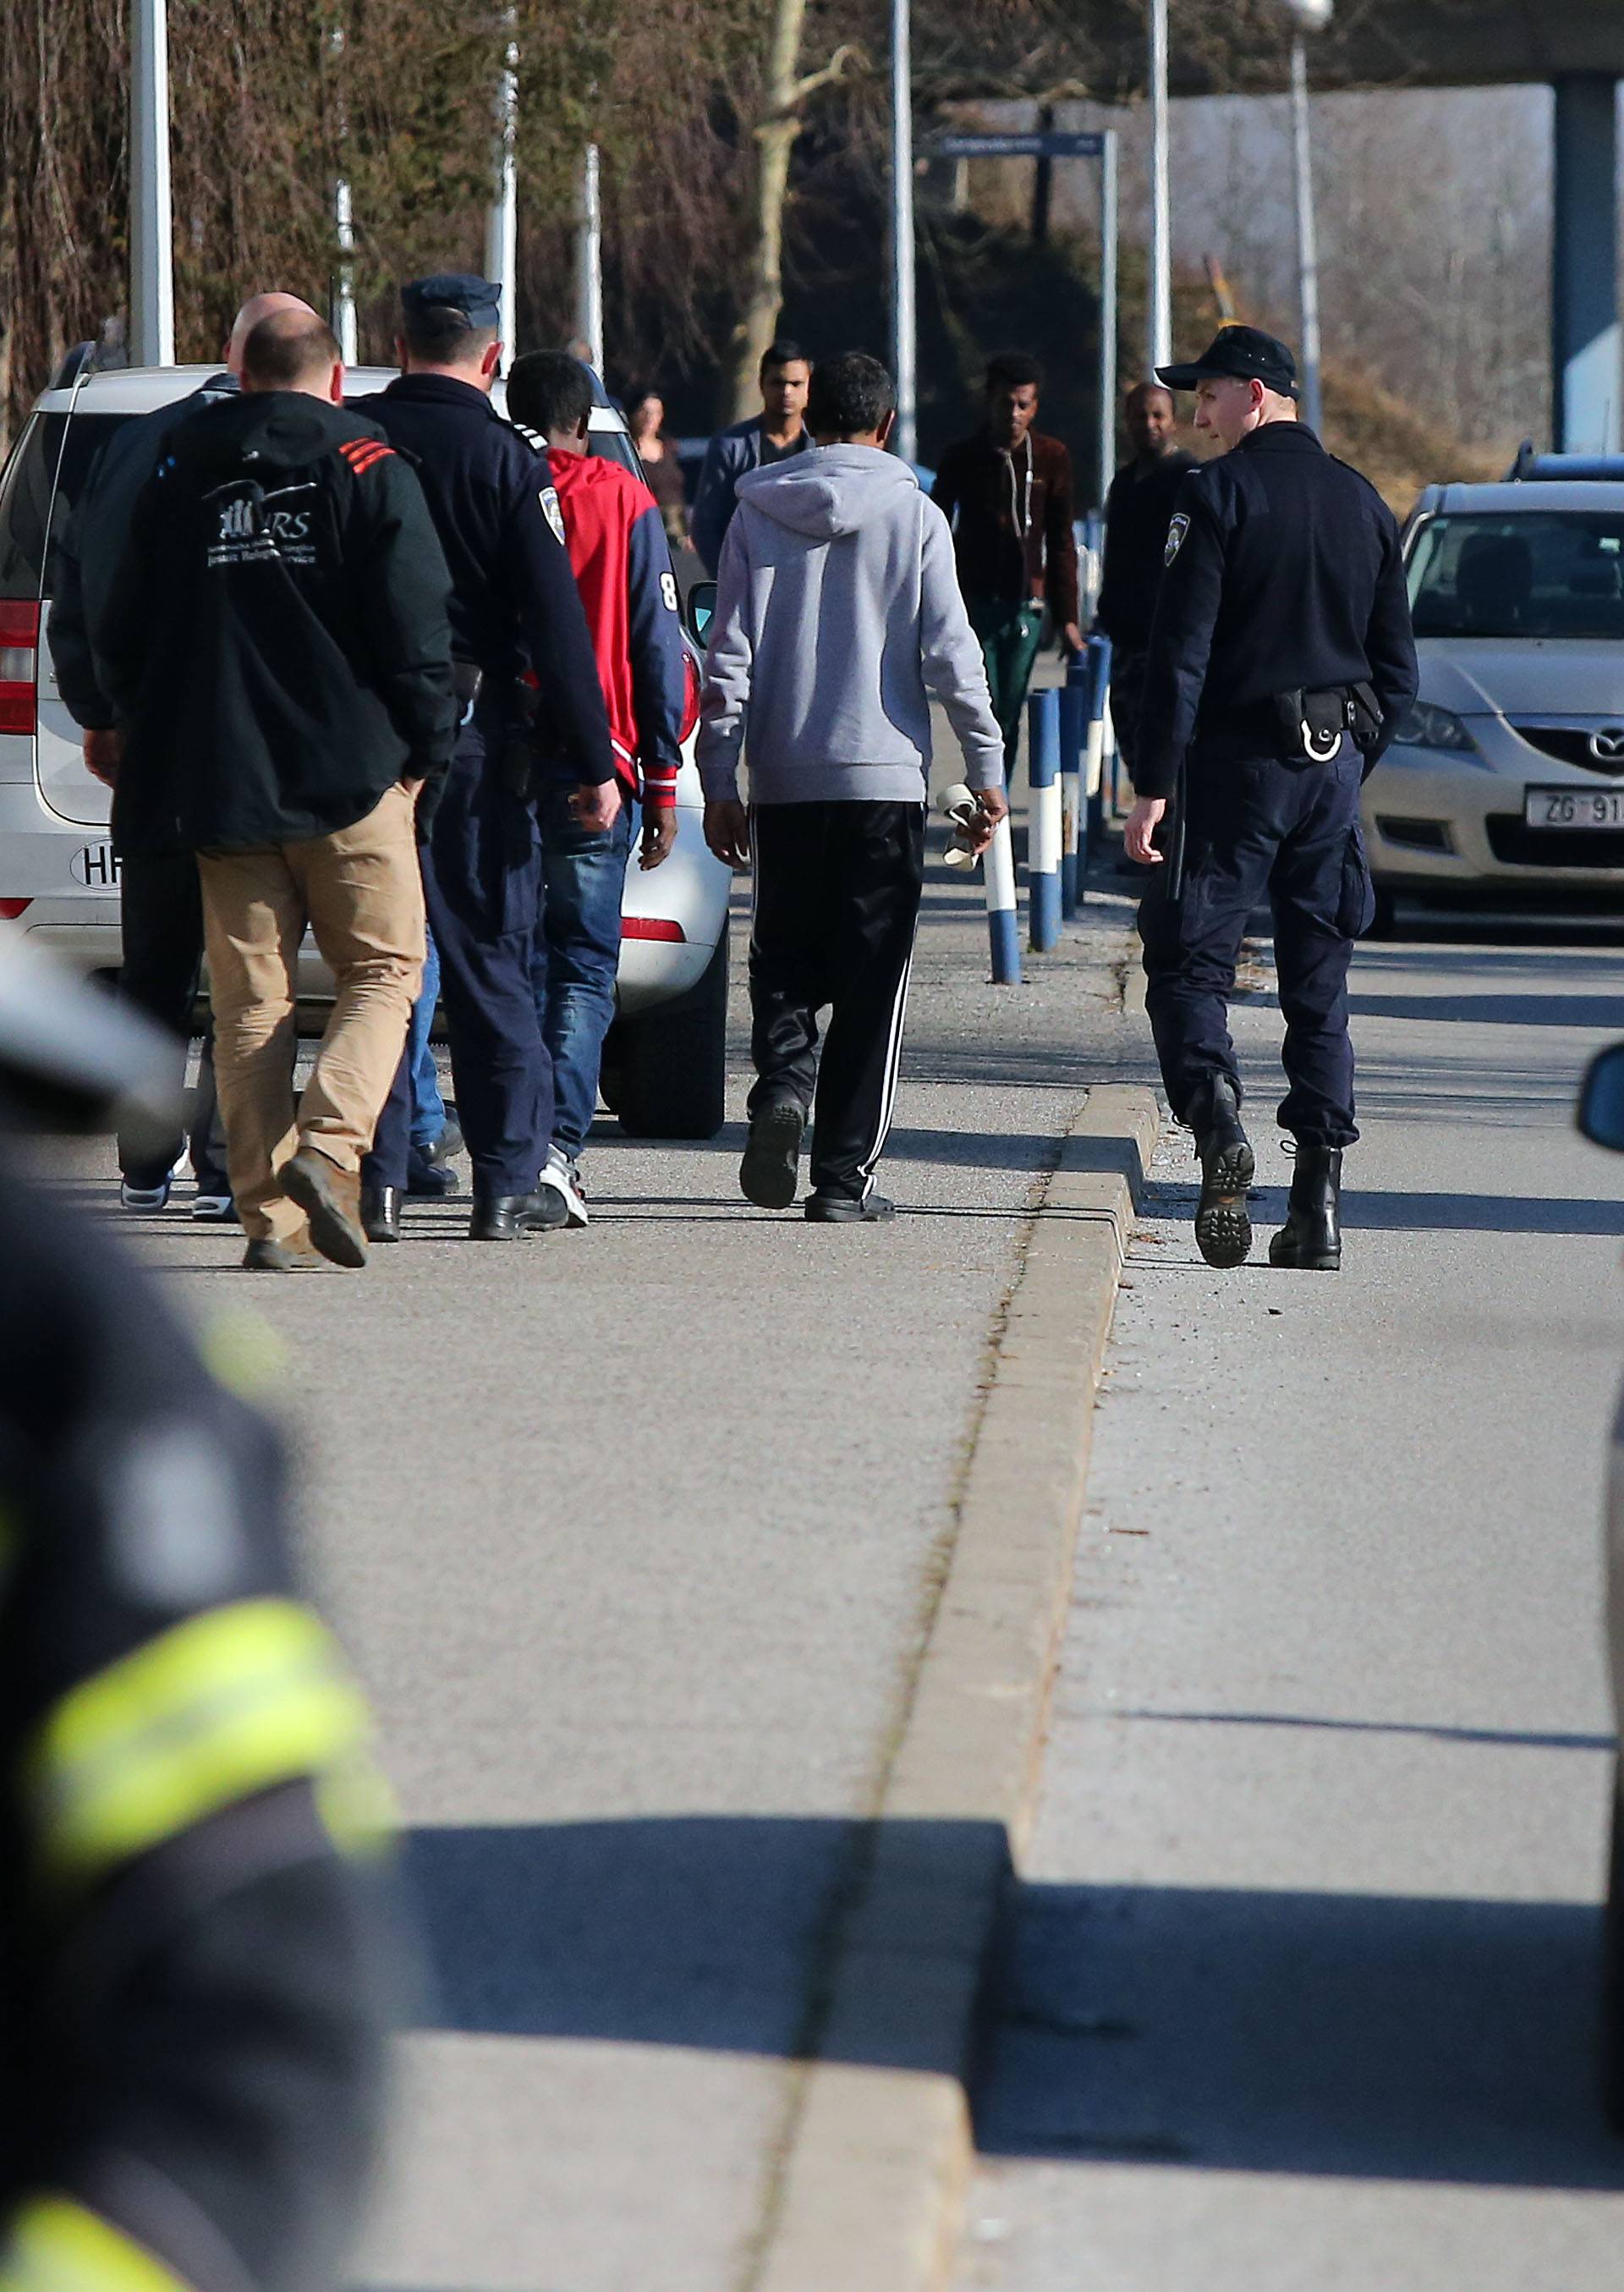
(428,1107)
(577,953)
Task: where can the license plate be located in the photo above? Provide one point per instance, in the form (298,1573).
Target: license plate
(96,867)
(1573,807)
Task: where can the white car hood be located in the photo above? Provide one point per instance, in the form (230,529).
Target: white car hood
(1544,679)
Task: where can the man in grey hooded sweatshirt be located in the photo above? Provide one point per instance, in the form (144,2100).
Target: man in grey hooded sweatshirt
(838,617)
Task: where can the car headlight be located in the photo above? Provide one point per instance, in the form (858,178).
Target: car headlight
(1423,726)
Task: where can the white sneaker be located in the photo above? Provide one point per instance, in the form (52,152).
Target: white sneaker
(144,1197)
(564,1176)
(215,1209)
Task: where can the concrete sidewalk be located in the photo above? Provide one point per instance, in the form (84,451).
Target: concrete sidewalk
(633,1533)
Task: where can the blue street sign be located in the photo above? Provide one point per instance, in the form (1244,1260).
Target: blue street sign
(1056,143)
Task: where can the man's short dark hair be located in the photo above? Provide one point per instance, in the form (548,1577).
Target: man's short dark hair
(782,352)
(287,348)
(1014,370)
(850,396)
(440,334)
(550,389)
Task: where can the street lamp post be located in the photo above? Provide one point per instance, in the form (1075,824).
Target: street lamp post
(1306,16)
(588,263)
(903,321)
(502,219)
(1159,313)
(152,286)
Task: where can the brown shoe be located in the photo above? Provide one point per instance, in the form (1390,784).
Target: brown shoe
(331,1198)
(279,1257)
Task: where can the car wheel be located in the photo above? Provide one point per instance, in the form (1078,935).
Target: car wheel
(1612,1970)
(664,1073)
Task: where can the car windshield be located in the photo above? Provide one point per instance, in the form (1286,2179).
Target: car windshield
(1535,573)
(44,479)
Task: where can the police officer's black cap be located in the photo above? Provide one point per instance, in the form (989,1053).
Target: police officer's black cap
(476,301)
(1238,354)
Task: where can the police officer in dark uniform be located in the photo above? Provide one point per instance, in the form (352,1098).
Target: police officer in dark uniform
(515,612)
(199,1965)
(1280,661)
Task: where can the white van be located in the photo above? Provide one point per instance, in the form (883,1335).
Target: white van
(664,1064)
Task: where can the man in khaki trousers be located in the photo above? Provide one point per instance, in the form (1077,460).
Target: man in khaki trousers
(278,651)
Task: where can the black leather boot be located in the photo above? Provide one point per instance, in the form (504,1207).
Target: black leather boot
(1311,1239)
(1223,1226)
(509,1217)
(381,1213)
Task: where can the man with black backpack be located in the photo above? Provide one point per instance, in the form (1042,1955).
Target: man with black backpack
(278,649)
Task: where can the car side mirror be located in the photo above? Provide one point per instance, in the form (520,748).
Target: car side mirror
(700,609)
(1601,1098)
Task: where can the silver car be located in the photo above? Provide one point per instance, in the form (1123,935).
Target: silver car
(1601,1117)
(1507,773)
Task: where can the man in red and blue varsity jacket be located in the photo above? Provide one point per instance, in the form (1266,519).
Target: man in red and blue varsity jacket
(621,561)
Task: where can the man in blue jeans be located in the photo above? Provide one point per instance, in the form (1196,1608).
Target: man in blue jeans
(621,561)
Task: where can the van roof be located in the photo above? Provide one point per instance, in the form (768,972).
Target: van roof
(143,389)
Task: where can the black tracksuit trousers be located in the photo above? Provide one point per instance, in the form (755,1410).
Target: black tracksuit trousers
(837,894)
(162,916)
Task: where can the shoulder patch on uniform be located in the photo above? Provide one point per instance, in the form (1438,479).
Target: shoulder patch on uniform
(364,453)
(554,515)
(1176,533)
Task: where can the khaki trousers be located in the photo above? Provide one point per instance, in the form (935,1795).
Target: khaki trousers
(361,894)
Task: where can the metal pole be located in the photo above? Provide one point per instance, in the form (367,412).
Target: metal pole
(342,312)
(1159,315)
(589,264)
(1107,313)
(152,284)
(502,220)
(904,320)
(1307,257)
(344,292)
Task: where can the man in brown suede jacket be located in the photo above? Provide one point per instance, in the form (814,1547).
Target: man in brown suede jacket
(1007,492)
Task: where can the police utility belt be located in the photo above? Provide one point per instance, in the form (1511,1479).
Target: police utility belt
(1300,727)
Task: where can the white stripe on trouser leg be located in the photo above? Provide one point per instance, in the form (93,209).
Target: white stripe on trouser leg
(893,1062)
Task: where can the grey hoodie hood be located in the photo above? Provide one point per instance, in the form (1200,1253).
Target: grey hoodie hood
(829,490)
(838,621)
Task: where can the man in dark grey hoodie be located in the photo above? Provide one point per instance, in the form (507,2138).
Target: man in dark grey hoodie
(838,617)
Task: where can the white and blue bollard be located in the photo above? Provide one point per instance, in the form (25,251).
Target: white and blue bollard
(1075,695)
(1003,934)
(1043,836)
(1099,664)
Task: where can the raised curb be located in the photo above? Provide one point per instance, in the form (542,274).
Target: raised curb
(871,2187)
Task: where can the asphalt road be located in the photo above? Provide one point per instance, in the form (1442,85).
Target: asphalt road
(632,1533)
(1299,1988)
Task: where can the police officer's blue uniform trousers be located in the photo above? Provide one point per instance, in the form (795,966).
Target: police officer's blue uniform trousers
(1288,833)
(482,878)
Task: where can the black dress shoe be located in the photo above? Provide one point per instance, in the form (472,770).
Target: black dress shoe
(844,1209)
(1223,1225)
(1311,1239)
(381,1213)
(508,1217)
(771,1164)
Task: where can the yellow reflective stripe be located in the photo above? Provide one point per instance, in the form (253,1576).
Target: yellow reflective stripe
(57,2246)
(222,1704)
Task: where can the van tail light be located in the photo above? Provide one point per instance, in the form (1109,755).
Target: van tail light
(10,909)
(650,927)
(18,666)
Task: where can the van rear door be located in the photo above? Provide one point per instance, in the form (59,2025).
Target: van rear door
(43,481)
